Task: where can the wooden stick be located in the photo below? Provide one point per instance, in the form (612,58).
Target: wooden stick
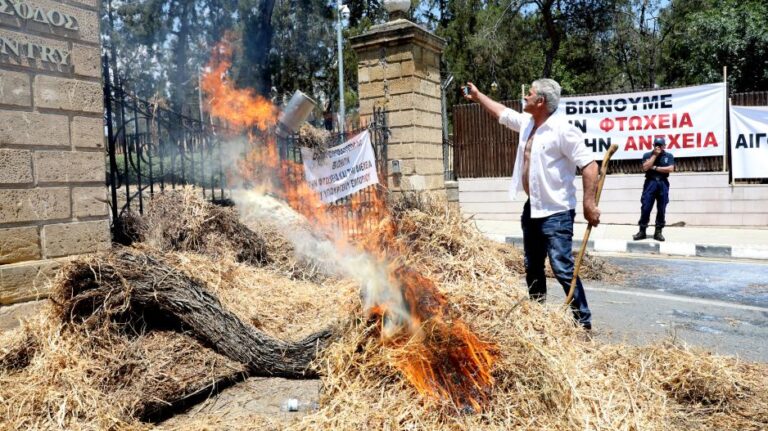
(603,172)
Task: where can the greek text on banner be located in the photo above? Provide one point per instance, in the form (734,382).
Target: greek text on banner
(749,141)
(341,170)
(691,119)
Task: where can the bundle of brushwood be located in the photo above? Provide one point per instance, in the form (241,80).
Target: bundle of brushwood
(133,287)
(132,333)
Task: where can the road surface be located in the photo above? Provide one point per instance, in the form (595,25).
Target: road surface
(718,305)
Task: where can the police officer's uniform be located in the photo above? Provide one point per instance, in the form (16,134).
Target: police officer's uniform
(656,188)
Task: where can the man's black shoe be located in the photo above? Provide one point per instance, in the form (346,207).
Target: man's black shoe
(657,235)
(639,235)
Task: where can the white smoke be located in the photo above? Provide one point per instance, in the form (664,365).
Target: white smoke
(377,289)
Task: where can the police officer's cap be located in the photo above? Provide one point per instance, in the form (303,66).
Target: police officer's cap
(657,142)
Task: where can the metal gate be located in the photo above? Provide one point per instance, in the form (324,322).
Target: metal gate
(152,149)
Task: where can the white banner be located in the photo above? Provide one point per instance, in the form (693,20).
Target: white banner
(342,170)
(691,119)
(749,141)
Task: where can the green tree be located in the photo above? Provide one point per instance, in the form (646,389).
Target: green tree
(705,35)
(158,46)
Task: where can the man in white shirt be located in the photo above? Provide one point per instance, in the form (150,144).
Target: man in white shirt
(548,153)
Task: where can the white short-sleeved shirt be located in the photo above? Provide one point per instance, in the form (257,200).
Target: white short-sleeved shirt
(557,150)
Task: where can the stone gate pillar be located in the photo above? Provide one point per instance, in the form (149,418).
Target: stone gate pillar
(52,181)
(399,69)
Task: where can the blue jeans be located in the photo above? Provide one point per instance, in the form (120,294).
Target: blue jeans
(553,236)
(654,190)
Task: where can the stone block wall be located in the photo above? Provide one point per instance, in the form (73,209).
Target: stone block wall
(52,160)
(399,69)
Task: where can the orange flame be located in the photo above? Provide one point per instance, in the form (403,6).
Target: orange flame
(242,108)
(435,350)
(439,355)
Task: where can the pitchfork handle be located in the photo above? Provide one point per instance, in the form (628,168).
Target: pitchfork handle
(603,172)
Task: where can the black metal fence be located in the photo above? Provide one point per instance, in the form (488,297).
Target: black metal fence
(152,149)
(357,213)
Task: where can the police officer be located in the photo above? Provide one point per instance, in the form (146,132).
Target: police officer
(657,165)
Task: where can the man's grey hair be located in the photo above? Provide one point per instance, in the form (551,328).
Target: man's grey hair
(550,90)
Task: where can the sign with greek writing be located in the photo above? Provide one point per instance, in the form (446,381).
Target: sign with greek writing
(691,119)
(25,11)
(749,141)
(342,170)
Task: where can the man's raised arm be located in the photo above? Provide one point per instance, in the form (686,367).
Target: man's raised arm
(490,105)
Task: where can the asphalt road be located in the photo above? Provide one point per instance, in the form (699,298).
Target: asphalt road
(718,305)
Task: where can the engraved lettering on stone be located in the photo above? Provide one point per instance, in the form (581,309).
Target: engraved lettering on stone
(7,45)
(5,8)
(71,23)
(22,10)
(48,55)
(34,51)
(54,17)
(40,16)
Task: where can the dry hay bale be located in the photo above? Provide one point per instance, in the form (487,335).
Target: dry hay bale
(548,377)
(184,221)
(140,290)
(129,228)
(448,246)
(18,351)
(270,299)
(595,268)
(698,378)
(120,366)
(442,240)
(102,378)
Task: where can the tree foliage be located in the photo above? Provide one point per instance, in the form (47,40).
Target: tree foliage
(705,35)
(587,45)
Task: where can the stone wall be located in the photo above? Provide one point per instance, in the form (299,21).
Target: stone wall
(52,192)
(399,69)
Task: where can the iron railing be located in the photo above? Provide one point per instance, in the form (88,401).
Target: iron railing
(151,148)
(360,212)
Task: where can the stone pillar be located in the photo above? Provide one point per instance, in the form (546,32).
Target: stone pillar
(399,69)
(52,169)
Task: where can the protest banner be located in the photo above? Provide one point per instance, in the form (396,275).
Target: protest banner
(342,170)
(691,119)
(749,141)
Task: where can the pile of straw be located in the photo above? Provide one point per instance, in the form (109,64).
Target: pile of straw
(57,375)
(312,137)
(181,221)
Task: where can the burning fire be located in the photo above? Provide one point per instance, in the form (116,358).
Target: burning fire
(433,348)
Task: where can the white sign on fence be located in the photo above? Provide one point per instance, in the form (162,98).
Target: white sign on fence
(749,141)
(691,119)
(342,170)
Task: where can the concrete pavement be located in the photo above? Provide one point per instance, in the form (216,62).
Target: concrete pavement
(735,242)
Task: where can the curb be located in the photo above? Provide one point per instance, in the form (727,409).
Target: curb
(664,248)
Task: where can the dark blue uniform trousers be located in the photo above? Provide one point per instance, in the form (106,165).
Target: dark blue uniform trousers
(553,236)
(654,190)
